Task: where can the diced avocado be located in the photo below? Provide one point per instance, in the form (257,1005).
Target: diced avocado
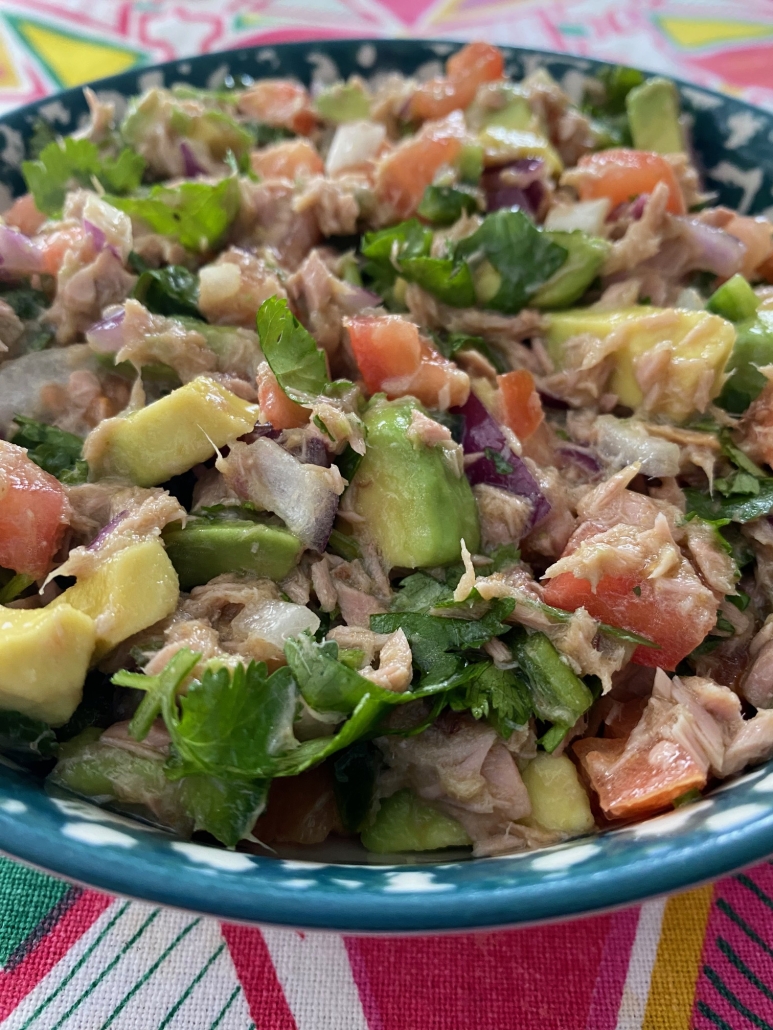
(502,145)
(753,349)
(470,163)
(129,591)
(406,823)
(734,300)
(237,349)
(698,341)
(415,507)
(204,549)
(586,255)
(515,112)
(558,799)
(171,435)
(653,116)
(44,658)
(344,102)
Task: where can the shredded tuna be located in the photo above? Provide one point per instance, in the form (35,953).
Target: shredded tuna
(504,517)
(395,668)
(234,286)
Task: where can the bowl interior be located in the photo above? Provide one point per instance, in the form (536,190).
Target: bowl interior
(337,885)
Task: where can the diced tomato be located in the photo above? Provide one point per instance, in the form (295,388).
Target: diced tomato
(294,159)
(24,216)
(54,246)
(33,513)
(393,358)
(404,174)
(301,809)
(279,103)
(662,610)
(521,404)
(466,70)
(629,784)
(276,407)
(622,174)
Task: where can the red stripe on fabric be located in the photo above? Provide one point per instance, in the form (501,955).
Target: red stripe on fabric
(735,953)
(17,984)
(362,980)
(534,979)
(264,994)
(613,969)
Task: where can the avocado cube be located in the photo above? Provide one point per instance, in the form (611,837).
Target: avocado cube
(585,256)
(653,117)
(753,349)
(129,591)
(698,341)
(559,801)
(202,550)
(414,506)
(734,300)
(169,436)
(44,658)
(343,102)
(405,822)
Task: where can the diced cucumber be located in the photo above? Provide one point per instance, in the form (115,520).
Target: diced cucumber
(406,823)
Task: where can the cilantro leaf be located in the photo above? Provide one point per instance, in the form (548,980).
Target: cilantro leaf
(448,280)
(523,257)
(225,808)
(450,344)
(167,291)
(354,778)
(500,463)
(444,205)
(419,592)
(195,213)
(53,449)
(26,302)
(70,162)
(497,695)
(292,352)
(734,508)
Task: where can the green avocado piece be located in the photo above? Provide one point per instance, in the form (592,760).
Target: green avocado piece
(416,508)
(169,436)
(653,116)
(344,102)
(204,549)
(406,823)
(586,254)
(734,300)
(753,349)
(513,111)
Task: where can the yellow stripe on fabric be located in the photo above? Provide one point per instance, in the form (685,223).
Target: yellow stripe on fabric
(672,988)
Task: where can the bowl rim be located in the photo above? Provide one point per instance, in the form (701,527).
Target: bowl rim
(303,893)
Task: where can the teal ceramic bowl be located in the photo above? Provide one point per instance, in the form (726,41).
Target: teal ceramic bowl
(335,888)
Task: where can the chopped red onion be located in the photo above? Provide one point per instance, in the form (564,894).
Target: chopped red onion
(102,535)
(708,249)
(18,254)
(581,457)
(97,235)
(191,166)
(519,184)
(481,433)
(107,336)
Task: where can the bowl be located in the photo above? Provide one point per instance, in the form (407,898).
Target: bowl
(334,886)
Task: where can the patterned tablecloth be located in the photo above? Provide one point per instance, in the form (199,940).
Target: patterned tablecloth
(71,959)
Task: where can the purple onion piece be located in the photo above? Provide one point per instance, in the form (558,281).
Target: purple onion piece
(314,452)
(18,254)
(519,184)
(97,235)
(481,433)
(711,249)
(107,336)
(354,298)
(102,535)
(191,166)
(582,457)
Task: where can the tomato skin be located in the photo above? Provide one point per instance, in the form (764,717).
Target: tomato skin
(54,246)
(620,174)
(404,173)
(656,611)
(281,104)
(392,358)
(291,160)
(521,404)
(466,70)
(33,513)
(276,407)
(24,215)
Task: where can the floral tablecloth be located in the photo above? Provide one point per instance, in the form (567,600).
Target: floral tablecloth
(72,959)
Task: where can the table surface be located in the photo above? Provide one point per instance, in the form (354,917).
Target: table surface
(72,959)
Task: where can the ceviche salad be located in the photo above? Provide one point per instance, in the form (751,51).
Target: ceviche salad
(390,458)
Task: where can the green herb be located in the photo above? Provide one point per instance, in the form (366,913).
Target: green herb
(348,461)
(523,257)
(687,798)
(26,302)
(167,291)
(15,587)
(292,352)
(53,449)
(497,695)
(450,344)
(419,592)
(354,779)
(444,205)
(344,546)
(448,280)
(733,508)
(503,467)
(225,808)
(42,134)
(740,600)
(26,739)
(195,213)
(70,162)
(264,135)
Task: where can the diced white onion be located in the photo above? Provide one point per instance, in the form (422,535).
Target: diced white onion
(219,282)
(588,215)
(623,442)
(353,143)
(276,621)
(115,224)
